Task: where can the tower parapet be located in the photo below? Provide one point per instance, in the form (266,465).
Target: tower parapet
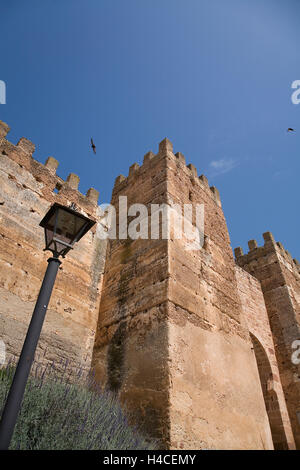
(257,252)
(166,151)
(51,185)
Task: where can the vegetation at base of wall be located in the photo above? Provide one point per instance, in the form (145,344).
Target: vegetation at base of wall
(59,415)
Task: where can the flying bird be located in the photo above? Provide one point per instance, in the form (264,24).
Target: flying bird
(290,129)
(93,146)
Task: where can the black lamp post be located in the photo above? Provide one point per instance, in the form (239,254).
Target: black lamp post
(63,227)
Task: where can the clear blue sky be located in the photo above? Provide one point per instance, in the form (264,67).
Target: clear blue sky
(213,76)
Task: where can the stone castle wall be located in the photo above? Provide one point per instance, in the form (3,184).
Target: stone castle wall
(255,318)
(215,396)
(279,278)
(27,189)
(131,348)
(170,337)
(195,344)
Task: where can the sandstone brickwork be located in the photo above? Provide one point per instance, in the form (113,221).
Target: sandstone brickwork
(195,344)
(170,338)
(257,322)
(279,278)
(27,189)
(131,349)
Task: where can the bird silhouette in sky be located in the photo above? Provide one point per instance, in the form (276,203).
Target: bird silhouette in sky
(93,146)
(290,129)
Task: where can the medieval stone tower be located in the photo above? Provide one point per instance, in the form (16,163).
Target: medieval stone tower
(195,344)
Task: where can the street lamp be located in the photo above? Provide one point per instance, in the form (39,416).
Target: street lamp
(63,227)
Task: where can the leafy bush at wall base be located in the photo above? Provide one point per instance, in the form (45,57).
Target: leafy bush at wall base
(57,415)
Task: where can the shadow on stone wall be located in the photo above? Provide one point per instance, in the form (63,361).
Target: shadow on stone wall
(116,358)
(270,396)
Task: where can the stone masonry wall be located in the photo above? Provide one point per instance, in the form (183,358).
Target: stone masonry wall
(256,319)
(215,395)
(170,340)
(131,348)
(279,277)
(27,189)
(198,349)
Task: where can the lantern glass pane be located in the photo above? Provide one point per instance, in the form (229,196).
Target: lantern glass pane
(49,237)
(49,232)
(68,226)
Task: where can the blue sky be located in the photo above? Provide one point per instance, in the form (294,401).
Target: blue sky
(213,76)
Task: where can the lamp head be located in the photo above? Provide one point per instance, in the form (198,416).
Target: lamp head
(63,228)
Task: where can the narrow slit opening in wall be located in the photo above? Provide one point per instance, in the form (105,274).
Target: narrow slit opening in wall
(57,188)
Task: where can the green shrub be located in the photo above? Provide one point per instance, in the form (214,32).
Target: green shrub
(58,415)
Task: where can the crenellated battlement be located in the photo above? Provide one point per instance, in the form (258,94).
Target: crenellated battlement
(53,187)
(4,130)
(27,189)
(161,322)
(256,252)
(279,276)
(165,149)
